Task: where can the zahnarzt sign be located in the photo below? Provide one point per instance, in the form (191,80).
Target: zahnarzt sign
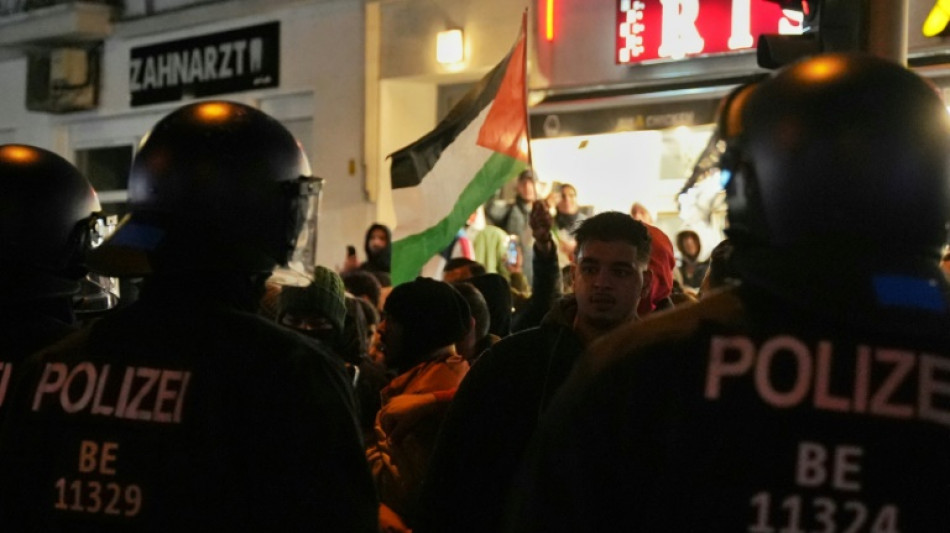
(226,62)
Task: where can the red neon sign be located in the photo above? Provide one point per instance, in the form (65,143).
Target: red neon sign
(674,29)
(549,20)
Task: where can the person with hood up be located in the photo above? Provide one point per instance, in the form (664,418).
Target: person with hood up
(378,245)
(691,270)
(662,266)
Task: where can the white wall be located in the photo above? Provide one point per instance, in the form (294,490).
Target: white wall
(20,125)
(409,27)
(408,110)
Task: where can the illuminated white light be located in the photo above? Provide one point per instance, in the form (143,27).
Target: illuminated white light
(449,47)
(740,37)
(681,133)
(680,36)
(791,23)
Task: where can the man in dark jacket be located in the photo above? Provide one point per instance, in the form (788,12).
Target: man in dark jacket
(186,411)
(813,396)
(513,217)
(500,401)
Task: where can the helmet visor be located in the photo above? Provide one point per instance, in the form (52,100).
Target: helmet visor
(97,293)
(299,269)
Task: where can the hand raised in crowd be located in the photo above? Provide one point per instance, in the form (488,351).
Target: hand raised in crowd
(350,263)
(541,223)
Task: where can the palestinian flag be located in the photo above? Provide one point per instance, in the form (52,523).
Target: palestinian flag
(442,178)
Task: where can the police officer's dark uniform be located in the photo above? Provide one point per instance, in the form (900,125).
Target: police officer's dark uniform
(47,221)
(186,411)
(815,396)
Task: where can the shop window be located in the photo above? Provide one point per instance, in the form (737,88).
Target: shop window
(682,147)
(107,168)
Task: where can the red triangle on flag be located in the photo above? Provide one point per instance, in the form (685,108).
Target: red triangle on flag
(506,127)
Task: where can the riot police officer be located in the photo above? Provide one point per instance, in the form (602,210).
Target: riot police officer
(48,215)
(815,396)
(186,410)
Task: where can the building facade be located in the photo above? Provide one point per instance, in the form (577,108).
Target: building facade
(622,93)
(88,80)
(620,106)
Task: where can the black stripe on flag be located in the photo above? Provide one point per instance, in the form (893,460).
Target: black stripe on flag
(412,163)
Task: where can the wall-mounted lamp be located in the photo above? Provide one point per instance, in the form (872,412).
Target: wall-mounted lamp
(448,47)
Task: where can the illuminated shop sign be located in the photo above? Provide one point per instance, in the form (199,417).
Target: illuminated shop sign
(218,63)
(623,118)
(673,29)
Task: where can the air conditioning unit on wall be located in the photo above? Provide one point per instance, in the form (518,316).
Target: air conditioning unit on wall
(61,80)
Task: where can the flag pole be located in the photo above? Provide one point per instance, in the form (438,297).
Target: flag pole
(524,66)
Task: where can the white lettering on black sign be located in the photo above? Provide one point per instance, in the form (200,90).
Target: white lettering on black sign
(836,472)
(219,63)
(94,487)
(739,358)
(185,67)
(136,393)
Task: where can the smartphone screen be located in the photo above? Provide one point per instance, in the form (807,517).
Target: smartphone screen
(512,252)
(350,250)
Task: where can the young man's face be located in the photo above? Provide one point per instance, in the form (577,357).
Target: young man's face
(690,246)
(608,283)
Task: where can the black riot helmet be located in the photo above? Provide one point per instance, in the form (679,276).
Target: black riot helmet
(214,186)
(48,221)
(838,149)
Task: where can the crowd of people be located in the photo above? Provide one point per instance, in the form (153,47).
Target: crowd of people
(597,379)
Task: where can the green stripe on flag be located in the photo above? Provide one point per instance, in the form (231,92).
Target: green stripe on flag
(411,253)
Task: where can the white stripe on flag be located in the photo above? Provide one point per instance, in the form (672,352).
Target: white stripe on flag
(421,207)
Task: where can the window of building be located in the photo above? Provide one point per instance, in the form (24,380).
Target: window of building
(107,168)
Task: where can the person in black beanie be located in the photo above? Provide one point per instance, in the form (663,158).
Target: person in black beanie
(422,321)
(363,284)
(497,293)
